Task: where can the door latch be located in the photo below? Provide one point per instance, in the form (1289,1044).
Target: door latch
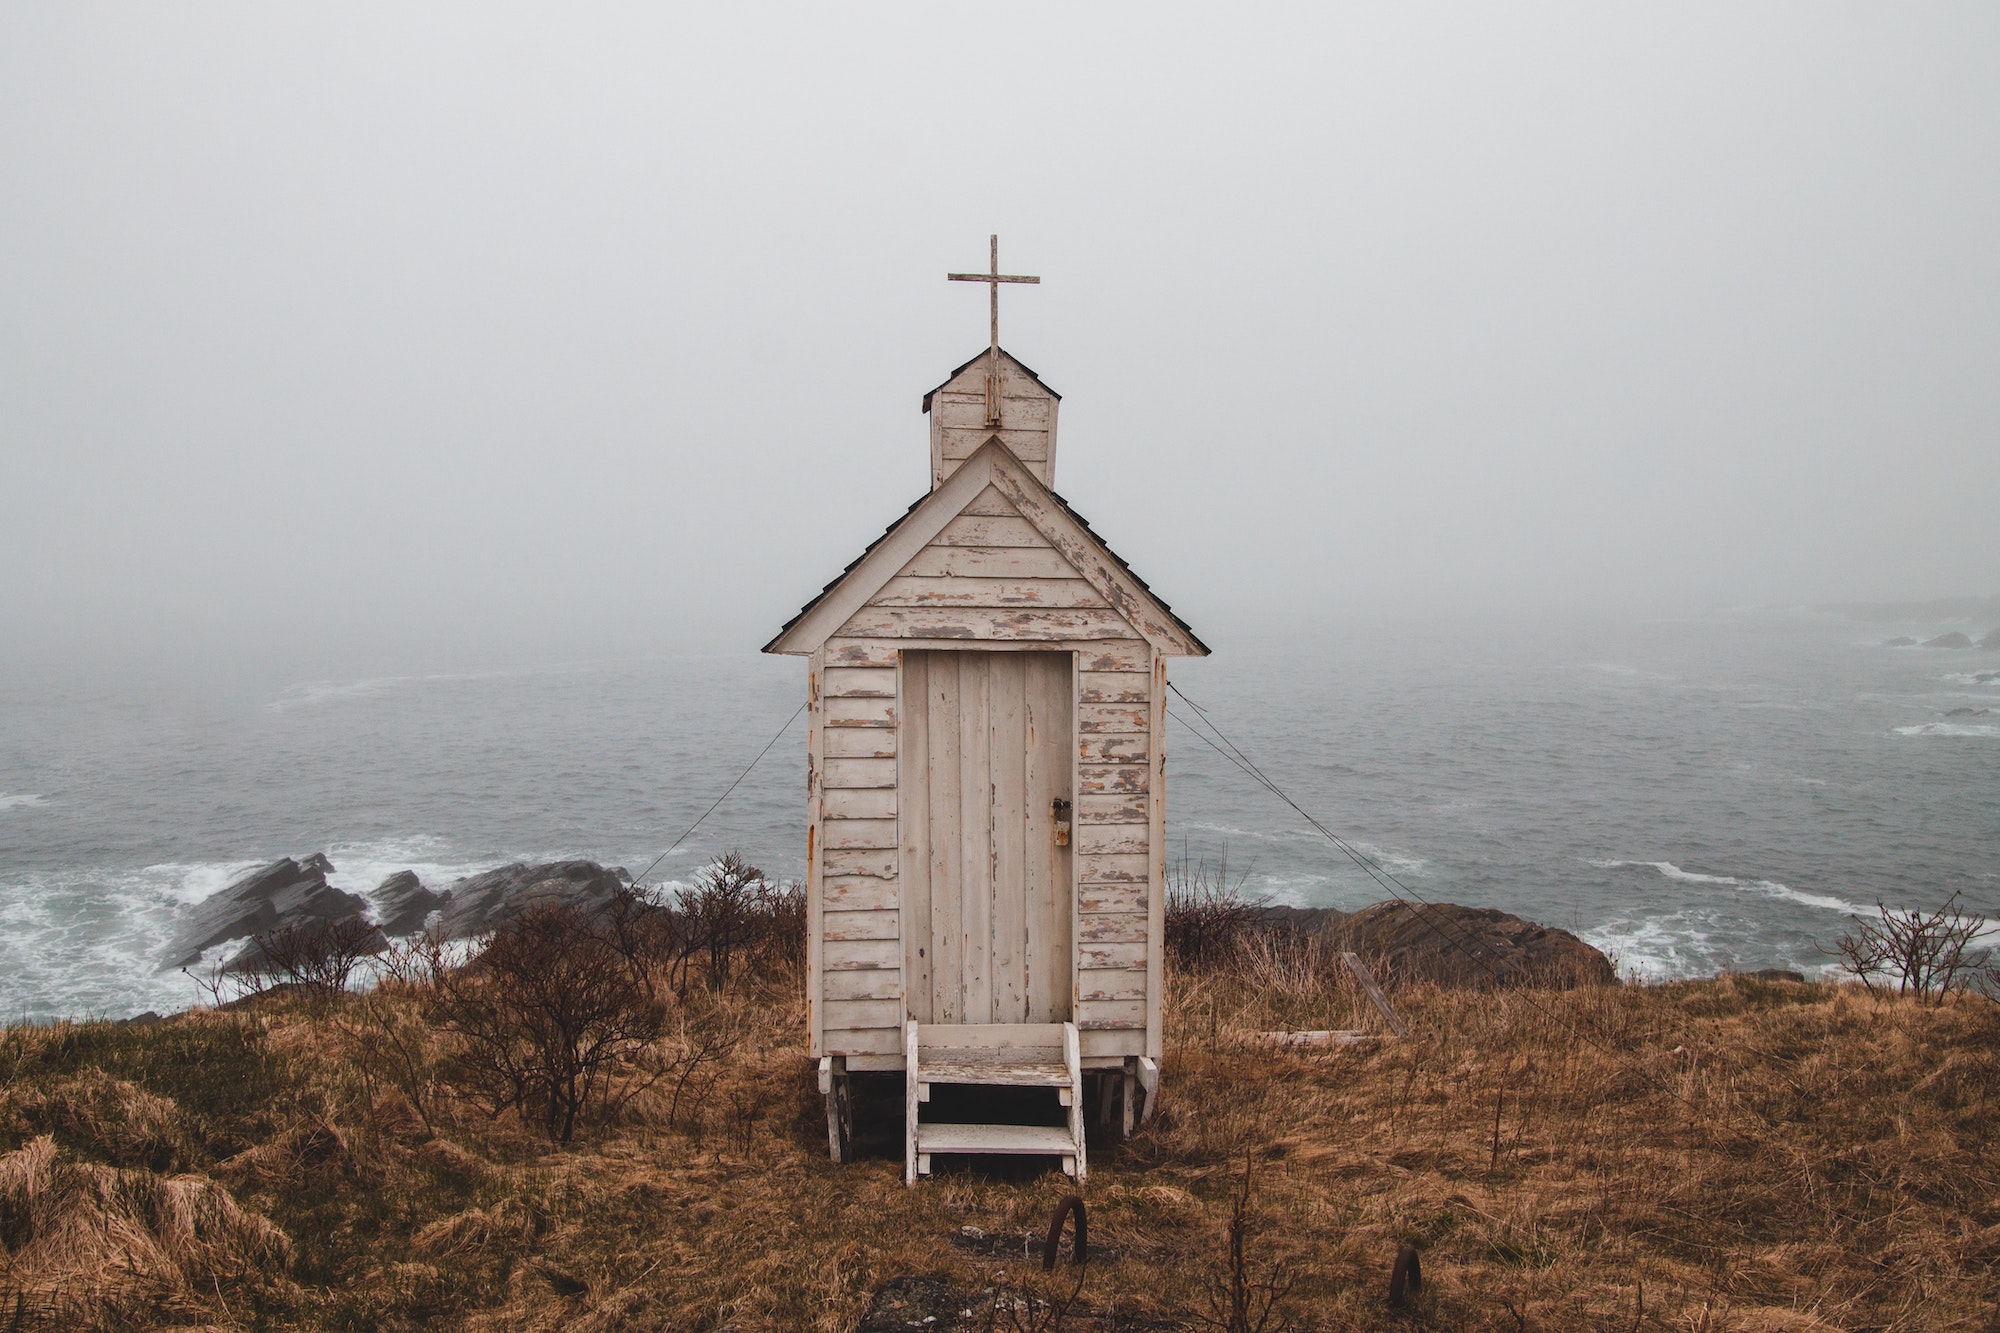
(1061,814)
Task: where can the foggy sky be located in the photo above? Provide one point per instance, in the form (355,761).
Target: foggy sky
(578,324)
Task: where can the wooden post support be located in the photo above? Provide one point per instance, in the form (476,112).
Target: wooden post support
(1368,983)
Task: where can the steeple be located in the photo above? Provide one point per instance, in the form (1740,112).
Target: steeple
(992,396)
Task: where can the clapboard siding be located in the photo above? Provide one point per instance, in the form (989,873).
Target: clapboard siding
(870,984)
(956,590)
(851,1015)
(988,562)
(859,834)
(1093,839)
(1098,779)
(875,864)
(859,653)
(862,925)
(859,743)
(1113,719)
(869,712)
(1110,983)
(1112,928)
(981,530)
(972,623)
(1114,687)
(858,893)
(1108,897)
(1104,1015)
(860,683)
(1113,868)
(1112,808)
(1130,749)
(1029,446)
(859,773)
(967,411)
(859,802)
(862,955)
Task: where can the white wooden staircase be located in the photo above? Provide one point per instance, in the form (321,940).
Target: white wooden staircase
(993,1055)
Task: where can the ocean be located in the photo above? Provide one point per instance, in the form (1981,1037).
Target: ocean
(1693,794)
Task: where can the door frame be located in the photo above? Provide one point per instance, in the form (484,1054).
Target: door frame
(904,910)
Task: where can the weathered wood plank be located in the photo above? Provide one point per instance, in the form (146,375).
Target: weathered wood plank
(990,503)
(962,413)
(1051,963)
(1111,839)
(1112,927)
(1114,719)
(876,864)
(1124,955)
(1114,687)
(1104,983)
(858,773)
(859,802)
(865,925)
(954,590)
(1094,779)
(870,1041)
(1114,868)
(860,653)
(860,834)
(988,562)
(859,743)
(975,833)
(1122,654)
(1007,817)
(858,893)
(1123,749)
(915,858)
(1107,1015)
(871,984)
(851,955)
(965,622)
(1030,446)
(1112,808)
(860,683)
(869,712)
(1112,1044)
(862,1015)
(1156,902)
(947,942)
(1112,897)
(975,530)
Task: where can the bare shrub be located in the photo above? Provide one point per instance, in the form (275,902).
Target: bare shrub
(1208,918)
(549,1018)
(1240,1299)
(318,957)
(724,912)
(1929,955)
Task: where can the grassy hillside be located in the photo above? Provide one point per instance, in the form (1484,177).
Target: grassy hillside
(1728,1155)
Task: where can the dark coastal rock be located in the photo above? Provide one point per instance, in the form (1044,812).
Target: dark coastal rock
(403,904)
(481,902)
(1900,641)
(1966,712)
(1776,974)
(284,893)
(1951,640)
(1470,947)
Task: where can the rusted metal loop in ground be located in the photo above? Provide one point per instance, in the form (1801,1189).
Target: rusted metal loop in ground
(1071,1205)
(1406,1278)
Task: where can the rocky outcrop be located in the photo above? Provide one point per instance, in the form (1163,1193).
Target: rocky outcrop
(403,904)
(482,902)
(1900,641)
(1951,640)
(284,893)
(1469,947)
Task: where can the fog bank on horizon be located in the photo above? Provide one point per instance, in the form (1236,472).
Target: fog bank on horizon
(457,324)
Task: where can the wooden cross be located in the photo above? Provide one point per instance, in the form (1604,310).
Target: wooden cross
(993,278)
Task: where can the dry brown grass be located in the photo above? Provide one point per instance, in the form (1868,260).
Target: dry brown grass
(1747,1156)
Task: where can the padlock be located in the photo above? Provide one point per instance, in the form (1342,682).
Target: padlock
(1061,813)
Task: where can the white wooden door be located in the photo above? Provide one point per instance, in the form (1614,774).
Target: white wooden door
(988,749)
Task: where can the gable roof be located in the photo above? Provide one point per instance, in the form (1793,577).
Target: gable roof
(1018,365)
(1065,530)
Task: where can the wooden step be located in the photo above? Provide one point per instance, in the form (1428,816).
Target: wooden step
(1007,1140)
(999,1069)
